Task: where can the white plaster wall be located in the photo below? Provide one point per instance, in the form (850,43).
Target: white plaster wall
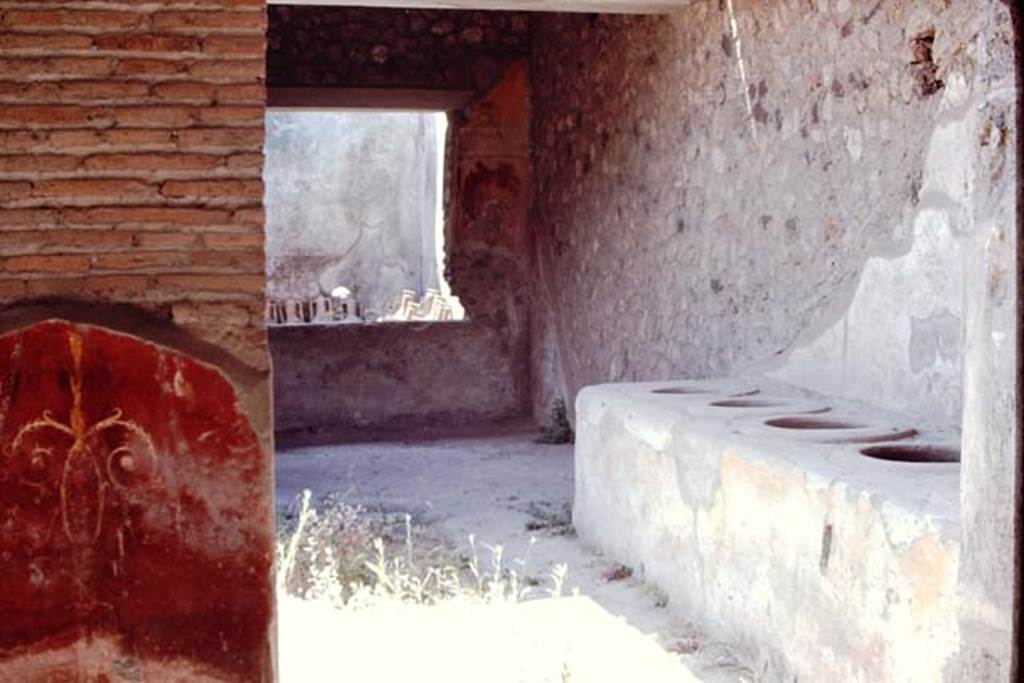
(351,200)
(615,6)
(899,343)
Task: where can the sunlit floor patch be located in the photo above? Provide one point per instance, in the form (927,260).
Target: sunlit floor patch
(508,491)
(541,641)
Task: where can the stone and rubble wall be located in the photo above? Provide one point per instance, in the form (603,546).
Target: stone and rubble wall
(352,201)
(361,47)
(714,189)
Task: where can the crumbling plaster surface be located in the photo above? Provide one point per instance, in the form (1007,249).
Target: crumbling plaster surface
(351,200)
(992,460)
(901,340)
(800,179)
(852,575)
(337,383)
(488,261)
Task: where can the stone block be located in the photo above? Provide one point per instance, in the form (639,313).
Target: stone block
(762,519)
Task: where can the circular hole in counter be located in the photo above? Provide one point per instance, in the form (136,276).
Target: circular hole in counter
(804,422)
(681,391)
(749,403)
(913,453)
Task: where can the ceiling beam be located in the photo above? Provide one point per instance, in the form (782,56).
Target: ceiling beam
(601,6)
(382,99)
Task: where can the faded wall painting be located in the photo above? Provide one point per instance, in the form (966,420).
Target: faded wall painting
(134,508)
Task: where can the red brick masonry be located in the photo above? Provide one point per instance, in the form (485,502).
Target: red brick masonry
(131,137)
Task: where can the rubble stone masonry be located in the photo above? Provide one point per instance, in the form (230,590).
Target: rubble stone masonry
(374,48)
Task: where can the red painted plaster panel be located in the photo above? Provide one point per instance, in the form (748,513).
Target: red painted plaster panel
(135,535)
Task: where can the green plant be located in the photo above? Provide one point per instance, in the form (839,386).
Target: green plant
(545,517)
(558,430)
(343,555)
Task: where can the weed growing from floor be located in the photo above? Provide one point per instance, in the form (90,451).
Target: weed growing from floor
(547,517)
(355,560)
(558,430)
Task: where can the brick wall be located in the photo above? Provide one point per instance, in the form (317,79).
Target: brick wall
(131,136)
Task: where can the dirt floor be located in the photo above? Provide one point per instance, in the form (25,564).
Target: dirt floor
(611,626)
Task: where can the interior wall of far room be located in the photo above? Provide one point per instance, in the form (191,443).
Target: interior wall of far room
(381,380)
(351,201)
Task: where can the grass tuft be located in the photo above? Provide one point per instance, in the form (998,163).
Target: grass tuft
(354,559)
